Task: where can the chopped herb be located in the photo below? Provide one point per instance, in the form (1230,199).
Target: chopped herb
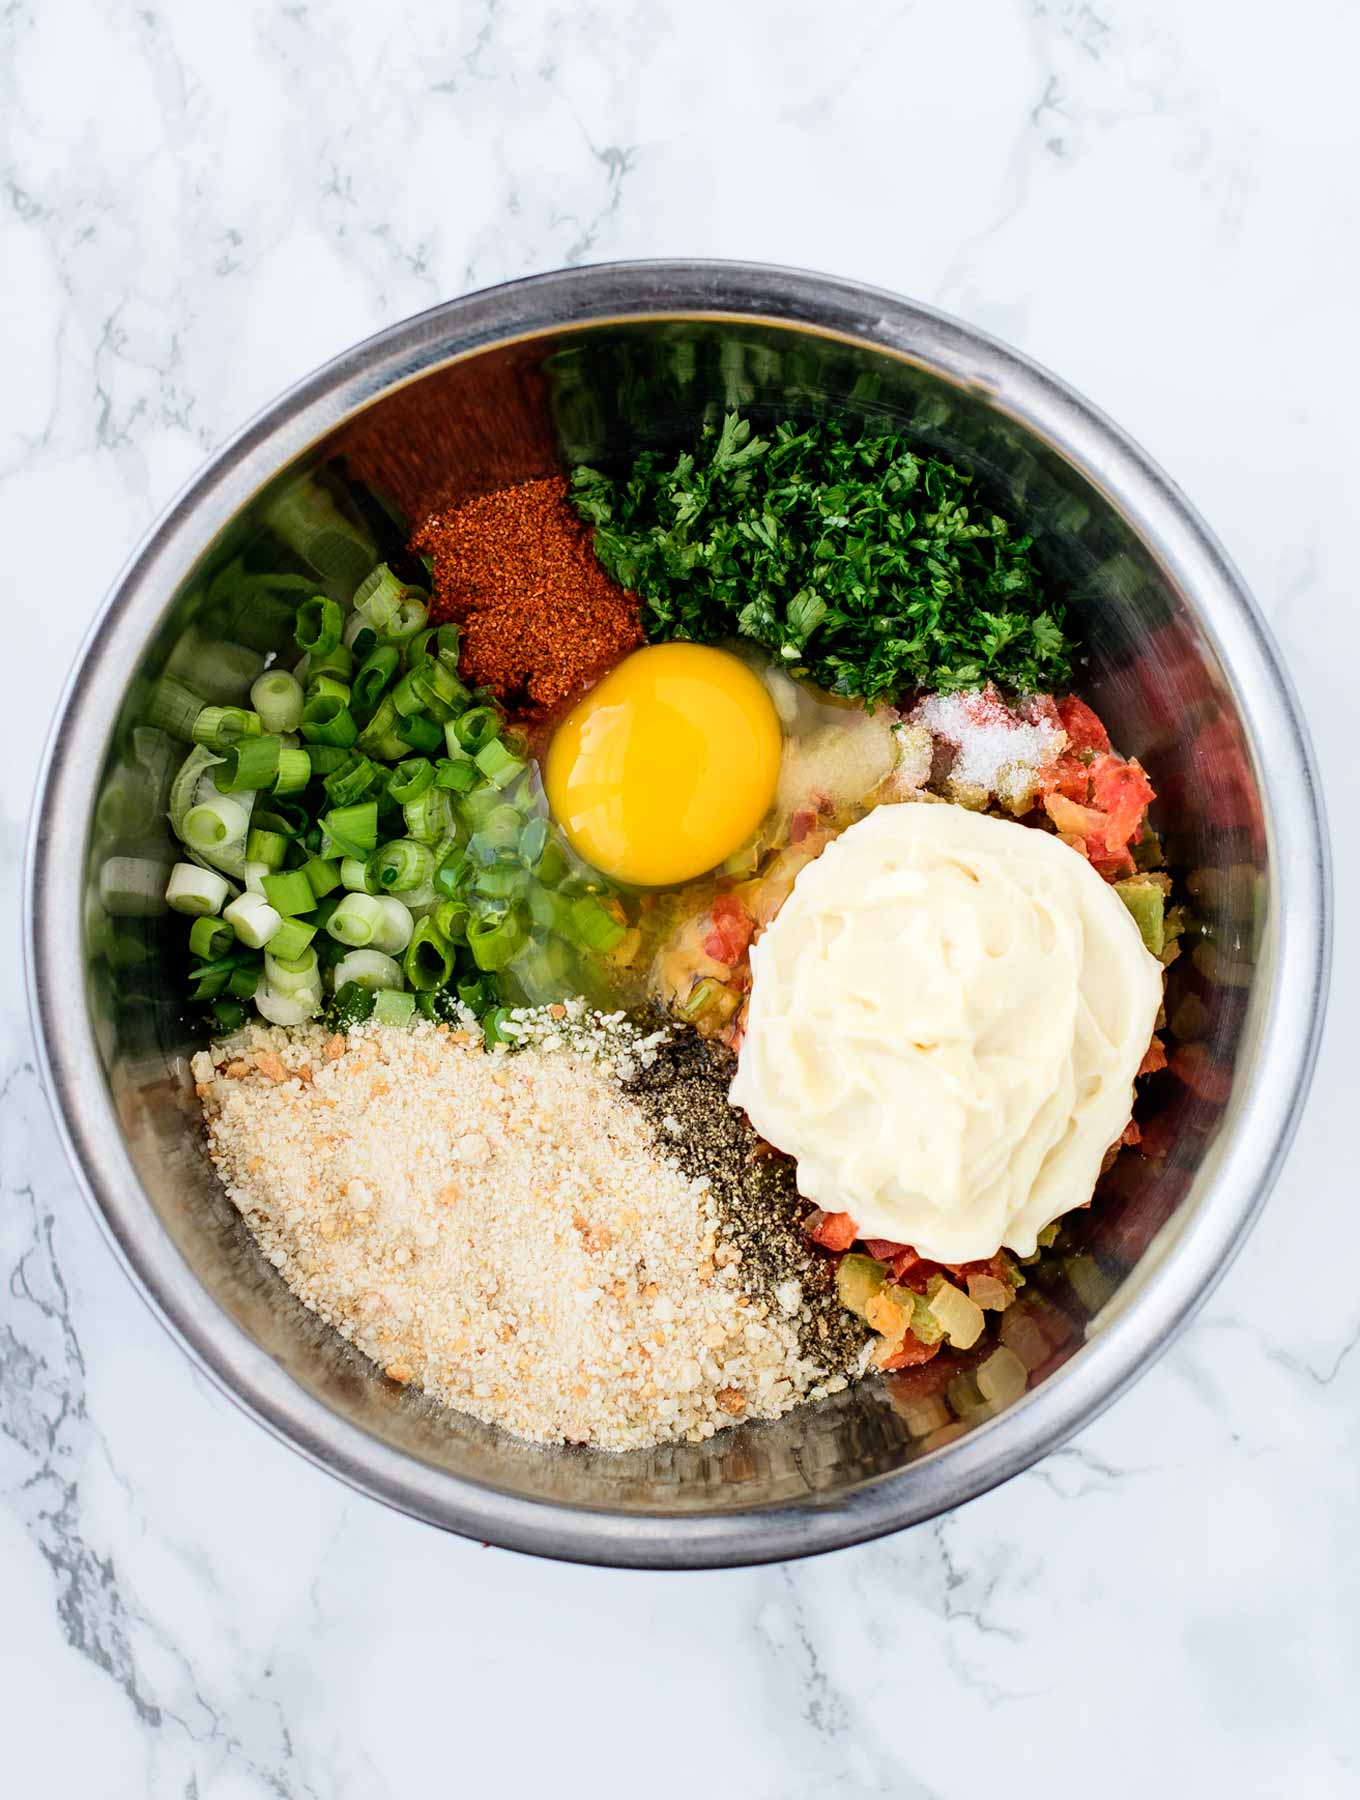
(865,567)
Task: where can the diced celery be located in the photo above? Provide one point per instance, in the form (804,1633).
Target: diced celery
(925,1327)
(1145,900)
(858,1279)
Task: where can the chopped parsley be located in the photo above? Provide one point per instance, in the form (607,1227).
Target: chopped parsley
(856,561)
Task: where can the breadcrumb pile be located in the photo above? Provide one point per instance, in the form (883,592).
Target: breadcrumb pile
(499,1229)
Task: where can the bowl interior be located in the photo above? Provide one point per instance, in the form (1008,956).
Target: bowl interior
(596,393)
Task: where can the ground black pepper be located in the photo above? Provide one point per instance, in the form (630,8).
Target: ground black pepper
(684,1094)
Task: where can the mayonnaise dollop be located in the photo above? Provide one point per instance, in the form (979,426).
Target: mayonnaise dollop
(946,1018)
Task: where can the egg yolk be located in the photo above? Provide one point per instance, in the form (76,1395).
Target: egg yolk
(667,766)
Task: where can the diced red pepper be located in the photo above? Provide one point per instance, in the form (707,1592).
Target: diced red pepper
(1123,792)
(1154,1058)
(833,1231)
(995,1266)
(910,1354)
(730,935)
(1068,777)
(1132,1135)
(1085,733)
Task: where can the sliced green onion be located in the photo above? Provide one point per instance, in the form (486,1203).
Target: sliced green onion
(196,891)
(355,921)
(288,974)
(209,979)
(593,926)
(419,734)
(495,942)
(219,727)
(476,728)
(228,1015)
(410,779)
(553,866)
(323,875)
(459,776)
(418,647)
(379,737)
(328,720)
(254,919)
(353,829)
(429,816)
(373,676)
(361,639)
(378,598)
(370,968)
(394,929)
(267,847)
(411,616)
(173,707)
(337,662)
(476,994)
(405,698)
(253,876)
(250,765)
(291,939)
(439,690)
(497,763)
(277,699)
(216,825)
(476,807)
(319,624)
(326,687)
(428,962)
(399,866)
(288,1009)
(210,938)
(245,978)
(295,771)
(289,892)
(327,758)
(353,782)
(393,1008)
(452,872)
(493,1026)
(451,920)
(447,645)
(354,877)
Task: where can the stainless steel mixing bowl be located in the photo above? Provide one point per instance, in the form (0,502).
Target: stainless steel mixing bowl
(588,364)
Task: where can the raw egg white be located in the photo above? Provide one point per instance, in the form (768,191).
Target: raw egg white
(667,766)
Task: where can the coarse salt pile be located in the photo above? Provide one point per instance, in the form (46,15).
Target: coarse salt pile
(499,1229)
(997,750)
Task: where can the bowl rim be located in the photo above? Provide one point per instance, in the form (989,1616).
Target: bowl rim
(1245,1159)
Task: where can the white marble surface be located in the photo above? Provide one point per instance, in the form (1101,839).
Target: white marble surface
(197,204)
